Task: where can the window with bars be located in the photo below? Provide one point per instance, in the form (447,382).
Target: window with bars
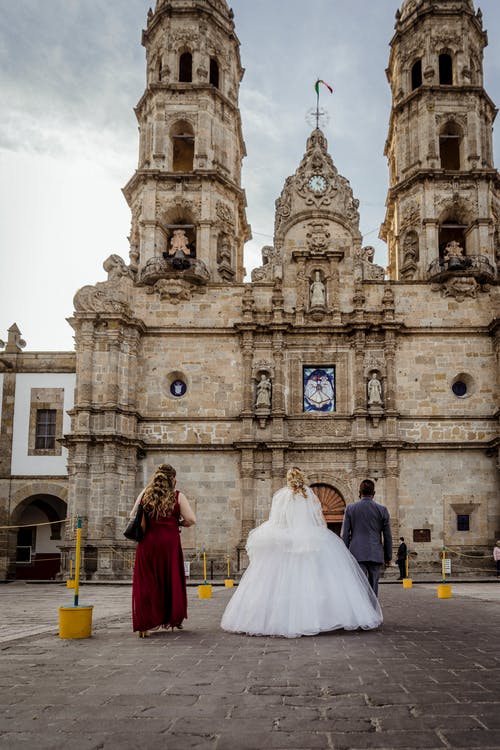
(45,436)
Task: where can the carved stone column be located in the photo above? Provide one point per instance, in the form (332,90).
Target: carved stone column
(278,403)
(247,503)
(84,345)
(247,357)
(391,499)
(112,387)
(390,360)
(278,469)
(359,376)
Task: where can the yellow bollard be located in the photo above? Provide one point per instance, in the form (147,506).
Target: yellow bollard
(205,590)
(444,590)
(407,583)
(228,582)
(75,622)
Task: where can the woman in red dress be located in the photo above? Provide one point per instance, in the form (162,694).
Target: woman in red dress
(159,584)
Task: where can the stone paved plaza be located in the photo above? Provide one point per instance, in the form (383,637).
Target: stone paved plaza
(429,678)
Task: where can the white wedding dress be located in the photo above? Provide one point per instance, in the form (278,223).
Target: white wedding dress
(301,579)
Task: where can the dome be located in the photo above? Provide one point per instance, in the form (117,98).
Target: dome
(410,6)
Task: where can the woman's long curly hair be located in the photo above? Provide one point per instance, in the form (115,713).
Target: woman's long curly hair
(296,481)
(159,496)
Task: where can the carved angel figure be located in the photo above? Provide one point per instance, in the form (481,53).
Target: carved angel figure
(179,241)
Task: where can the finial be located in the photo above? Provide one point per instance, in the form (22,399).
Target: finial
(15,343)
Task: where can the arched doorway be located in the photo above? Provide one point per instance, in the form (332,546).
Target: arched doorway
(38,556)
(332,505)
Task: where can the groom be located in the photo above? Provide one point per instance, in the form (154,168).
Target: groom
(366,523)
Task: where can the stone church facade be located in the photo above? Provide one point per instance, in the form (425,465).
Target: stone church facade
(322,360)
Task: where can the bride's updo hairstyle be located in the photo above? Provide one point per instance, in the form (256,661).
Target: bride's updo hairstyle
(159,496)
(296,480)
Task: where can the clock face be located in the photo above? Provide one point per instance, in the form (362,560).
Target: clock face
(317,183)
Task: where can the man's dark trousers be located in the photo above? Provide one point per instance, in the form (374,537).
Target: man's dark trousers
(372,572)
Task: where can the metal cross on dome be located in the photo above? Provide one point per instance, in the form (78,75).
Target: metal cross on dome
(318,116)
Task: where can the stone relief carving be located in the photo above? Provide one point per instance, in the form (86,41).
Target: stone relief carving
(224,213)
(318,236)
(309,429)
(374,363)
(116,268)
(410,255)
(173,290)
(453,41)
(410,215)
(271,264)
(459,288)
(180,37)
(370,271)
(102,297)
(452,117)
(225,257)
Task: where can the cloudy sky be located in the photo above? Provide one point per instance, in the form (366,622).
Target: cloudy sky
(71,72)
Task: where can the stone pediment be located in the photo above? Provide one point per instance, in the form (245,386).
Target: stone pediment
(316,189)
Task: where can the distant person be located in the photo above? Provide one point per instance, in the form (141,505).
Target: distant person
(366,532)
(159,584)
(496,556)
(401,558)
(301,580)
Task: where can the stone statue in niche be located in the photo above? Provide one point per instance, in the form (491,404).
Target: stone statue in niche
(374,391)
(263,391)
(179,243)
(224,251)
(410,250)
(318,292)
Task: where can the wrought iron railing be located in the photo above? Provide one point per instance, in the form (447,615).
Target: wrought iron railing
(477,266)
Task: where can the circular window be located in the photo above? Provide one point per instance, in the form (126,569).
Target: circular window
(459,388)
(178,388)
(462,385)
(176,384)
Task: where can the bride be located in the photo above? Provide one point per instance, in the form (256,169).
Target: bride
(301,579)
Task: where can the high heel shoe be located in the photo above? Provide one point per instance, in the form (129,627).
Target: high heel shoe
(176,627)
(143,634)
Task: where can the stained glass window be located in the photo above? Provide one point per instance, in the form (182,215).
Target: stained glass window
(319,389)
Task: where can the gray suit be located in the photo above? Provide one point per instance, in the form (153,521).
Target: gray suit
(366,523)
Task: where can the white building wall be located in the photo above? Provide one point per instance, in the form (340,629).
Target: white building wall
(22,463)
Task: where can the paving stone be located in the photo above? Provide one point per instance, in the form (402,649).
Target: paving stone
(400,688)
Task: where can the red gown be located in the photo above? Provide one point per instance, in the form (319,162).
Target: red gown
(159,583)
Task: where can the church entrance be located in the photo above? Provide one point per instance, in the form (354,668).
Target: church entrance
(332,505)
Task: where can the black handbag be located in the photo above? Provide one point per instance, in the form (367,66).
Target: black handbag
(134,530)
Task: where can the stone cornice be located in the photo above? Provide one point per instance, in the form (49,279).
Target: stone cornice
(442,175)
(142,175)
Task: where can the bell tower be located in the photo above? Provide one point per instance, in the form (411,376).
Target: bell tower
(443,204)
(187,204)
